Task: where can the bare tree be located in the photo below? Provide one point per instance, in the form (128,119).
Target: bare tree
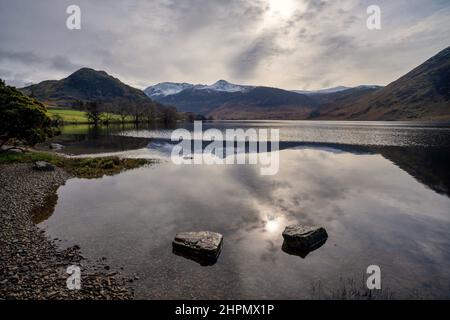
(93,112)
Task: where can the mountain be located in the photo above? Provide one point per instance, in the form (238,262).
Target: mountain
(165,89)
(266,103)
(224,100)
(88,85)
(350,95)
(225,86)
(422,94)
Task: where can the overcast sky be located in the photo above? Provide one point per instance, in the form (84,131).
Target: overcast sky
(291,44)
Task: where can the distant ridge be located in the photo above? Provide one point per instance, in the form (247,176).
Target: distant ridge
(224,100)
(329,90)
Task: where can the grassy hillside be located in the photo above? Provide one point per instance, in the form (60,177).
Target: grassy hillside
(422,94)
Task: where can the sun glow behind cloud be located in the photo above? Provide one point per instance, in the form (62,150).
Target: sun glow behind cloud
(279,11)
(282,7)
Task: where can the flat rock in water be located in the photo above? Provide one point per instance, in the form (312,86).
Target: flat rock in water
(43,166)
(203,247)
(304,238)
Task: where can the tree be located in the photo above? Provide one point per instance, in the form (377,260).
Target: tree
(22,119)
(78,105)
(122,111)
(136,112)
(190,116)
(150,114)
(169,115)
(93,112)
(107,108)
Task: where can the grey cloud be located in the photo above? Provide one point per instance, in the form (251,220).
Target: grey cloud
(316,5)
(24,57)
(5,73)
(57,62)
(339,45)
(247,61)
(200,41)
(63,63)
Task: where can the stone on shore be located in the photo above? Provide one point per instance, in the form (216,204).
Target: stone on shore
(56,146)
(304,238)
(43,166)
(203,247)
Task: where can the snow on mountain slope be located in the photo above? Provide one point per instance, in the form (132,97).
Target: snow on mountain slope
(226,86)
(167,88)
(170,88)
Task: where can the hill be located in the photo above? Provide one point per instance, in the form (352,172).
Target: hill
(88,85)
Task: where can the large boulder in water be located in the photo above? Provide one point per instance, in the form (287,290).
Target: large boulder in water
(301,240)
(203,247)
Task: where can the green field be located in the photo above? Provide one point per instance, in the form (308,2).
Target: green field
(71,116)
(75,116)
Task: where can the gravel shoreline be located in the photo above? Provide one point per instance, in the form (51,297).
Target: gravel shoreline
(31,265)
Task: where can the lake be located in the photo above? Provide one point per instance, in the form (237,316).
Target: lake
(381,190)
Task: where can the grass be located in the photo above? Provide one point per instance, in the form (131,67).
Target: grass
(79,167)
(71,116)
(75,116)
(349,289)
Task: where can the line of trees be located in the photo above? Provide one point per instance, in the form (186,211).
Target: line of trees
(105,113)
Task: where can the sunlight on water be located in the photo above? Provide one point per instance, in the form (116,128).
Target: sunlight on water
(370,133)
(372,210)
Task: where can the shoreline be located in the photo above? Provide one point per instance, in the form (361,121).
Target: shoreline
(31,264)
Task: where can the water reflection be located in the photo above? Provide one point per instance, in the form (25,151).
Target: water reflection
(201,260)
(380,190)
(374,213)
(301,253)
(421,149)
(273,225)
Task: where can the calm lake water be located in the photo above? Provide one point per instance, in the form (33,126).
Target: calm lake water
(381,190)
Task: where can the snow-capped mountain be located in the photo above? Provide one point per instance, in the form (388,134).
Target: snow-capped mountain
(225,86)
(165,89)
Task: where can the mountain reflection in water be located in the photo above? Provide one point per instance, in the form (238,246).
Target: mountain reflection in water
(367,197)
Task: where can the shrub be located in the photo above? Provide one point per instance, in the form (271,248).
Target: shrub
(22,119)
